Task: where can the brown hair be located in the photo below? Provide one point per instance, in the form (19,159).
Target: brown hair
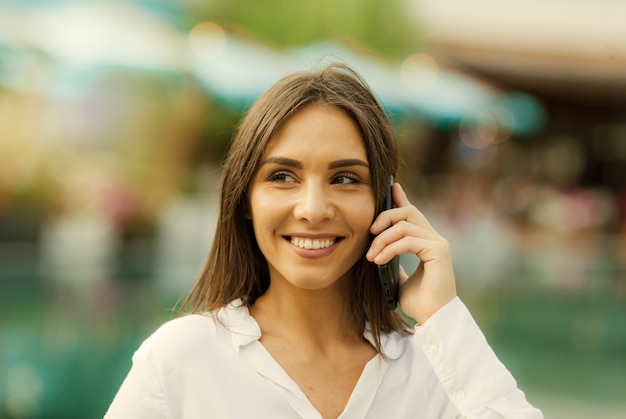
(235,267)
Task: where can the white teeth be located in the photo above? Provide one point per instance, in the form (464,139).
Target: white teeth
(312,244)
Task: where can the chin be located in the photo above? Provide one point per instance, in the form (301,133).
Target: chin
(317,282)
(312,284)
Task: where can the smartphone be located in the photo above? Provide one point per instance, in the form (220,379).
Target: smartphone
(388,273)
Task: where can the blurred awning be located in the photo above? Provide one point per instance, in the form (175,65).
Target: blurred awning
(83,38)
(88,35)
(420,88)
(233,70)
(562,48)
(237,71)
(73,41)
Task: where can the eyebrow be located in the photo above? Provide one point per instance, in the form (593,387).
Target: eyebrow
(284,161)
(347,163)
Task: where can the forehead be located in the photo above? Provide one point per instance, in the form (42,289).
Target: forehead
(318,128)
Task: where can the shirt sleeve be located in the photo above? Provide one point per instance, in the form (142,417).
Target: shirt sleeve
(140,395)
(478,384)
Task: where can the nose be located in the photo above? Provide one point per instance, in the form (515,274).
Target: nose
(314,205)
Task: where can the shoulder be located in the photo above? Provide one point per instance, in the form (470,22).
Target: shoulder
(201,335)
(178,336)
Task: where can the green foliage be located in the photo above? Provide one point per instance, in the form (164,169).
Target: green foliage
(381,25)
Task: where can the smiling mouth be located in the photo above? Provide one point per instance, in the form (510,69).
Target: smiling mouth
(306,243)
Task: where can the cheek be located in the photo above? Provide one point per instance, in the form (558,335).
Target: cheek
(262,205)
(362,215)
(265,213)
(366,220)
(367,207)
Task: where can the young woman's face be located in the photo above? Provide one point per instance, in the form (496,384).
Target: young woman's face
(311,201)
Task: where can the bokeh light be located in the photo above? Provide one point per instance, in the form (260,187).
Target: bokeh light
(478,130)
(419,71)
(207,40)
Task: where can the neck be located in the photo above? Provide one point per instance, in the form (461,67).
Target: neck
(312,315)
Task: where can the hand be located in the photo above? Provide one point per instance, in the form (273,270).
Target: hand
(405,230)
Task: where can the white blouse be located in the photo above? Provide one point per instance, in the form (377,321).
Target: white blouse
(204,366)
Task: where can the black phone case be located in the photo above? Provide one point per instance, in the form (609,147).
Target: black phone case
(388,273)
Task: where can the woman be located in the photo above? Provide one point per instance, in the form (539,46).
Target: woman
(289,318)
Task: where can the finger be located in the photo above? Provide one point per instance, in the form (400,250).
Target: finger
(408,213)
(402,275)
(414,215)
(407,238)
(404,211)
(425,249)
(397,232)
(400,198)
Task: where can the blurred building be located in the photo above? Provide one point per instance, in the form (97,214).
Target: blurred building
(570,55)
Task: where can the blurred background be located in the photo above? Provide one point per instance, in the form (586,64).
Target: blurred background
(114,118)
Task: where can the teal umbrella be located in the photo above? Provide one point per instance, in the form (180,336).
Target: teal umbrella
(419,88)
(91,35)
(236,71)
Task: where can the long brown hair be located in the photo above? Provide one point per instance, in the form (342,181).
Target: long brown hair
(235,267)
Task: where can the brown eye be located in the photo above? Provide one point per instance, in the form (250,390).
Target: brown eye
(346,179)
(280,177)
